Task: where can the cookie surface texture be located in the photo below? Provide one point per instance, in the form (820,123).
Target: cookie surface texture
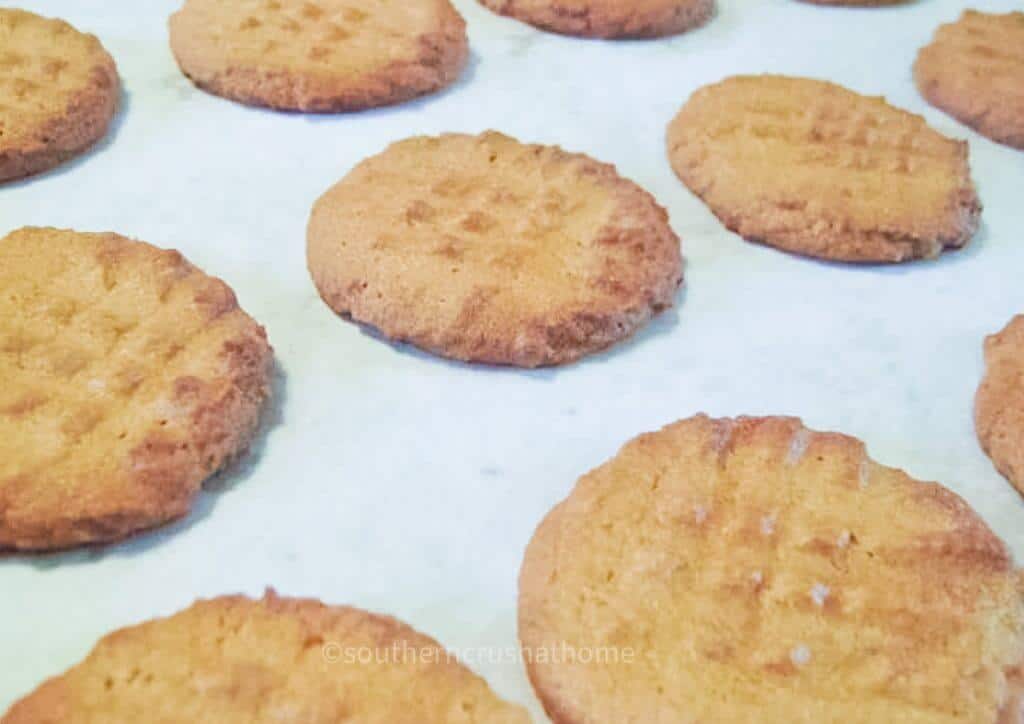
(484,249)
(58,93)
(319,55)
(608,18)
(129,377)
(751,570)
(815,169)
(275,660)
(999,405)
(974,71)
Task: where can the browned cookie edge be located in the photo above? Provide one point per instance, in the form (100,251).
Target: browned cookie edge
(595,23)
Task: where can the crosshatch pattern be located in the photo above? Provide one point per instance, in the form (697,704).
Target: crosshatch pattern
(125,373)
(483,248)
(319,56)
(58,91)
(812,167)
(974,70)
(764,571)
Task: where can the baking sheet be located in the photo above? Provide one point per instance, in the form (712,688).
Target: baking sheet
(410,485)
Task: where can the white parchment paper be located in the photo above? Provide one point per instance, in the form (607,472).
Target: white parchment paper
(406,484)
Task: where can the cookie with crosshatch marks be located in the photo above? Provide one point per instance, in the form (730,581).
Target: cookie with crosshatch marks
(235,660)
(812,168)
(974,70)
(319,55)
(608,18)
(999,404)
(484,249)
(757,571)
(129,377)
(58,93)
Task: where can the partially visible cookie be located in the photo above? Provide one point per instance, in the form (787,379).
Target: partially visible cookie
(234,660)
(999,405)
(128,378)
(58,93)
(484,249)
(319,55)
(974,70)
(752,570)
(608,18)
(813,168)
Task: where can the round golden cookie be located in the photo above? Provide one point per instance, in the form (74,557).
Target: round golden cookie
(234,660)
(484,249)
(752,570)
(974,70)
(608,18)
(58,92)
(999,405)
(815,169)
(129,377)
(319,55)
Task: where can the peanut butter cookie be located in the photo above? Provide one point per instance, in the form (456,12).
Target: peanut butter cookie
(974,71)
(58,93)
(129,377)
(999,405)
(608,18)
(813,168)
(233,660)
(484,249)
(319,55)
(752,570)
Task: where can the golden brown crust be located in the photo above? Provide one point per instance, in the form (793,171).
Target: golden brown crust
(58,93)
(610,19)
(130,378)
(274,661)
(974,70)
(324,56)
(484,249)
(761,572)
(813,168)
(999,404)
